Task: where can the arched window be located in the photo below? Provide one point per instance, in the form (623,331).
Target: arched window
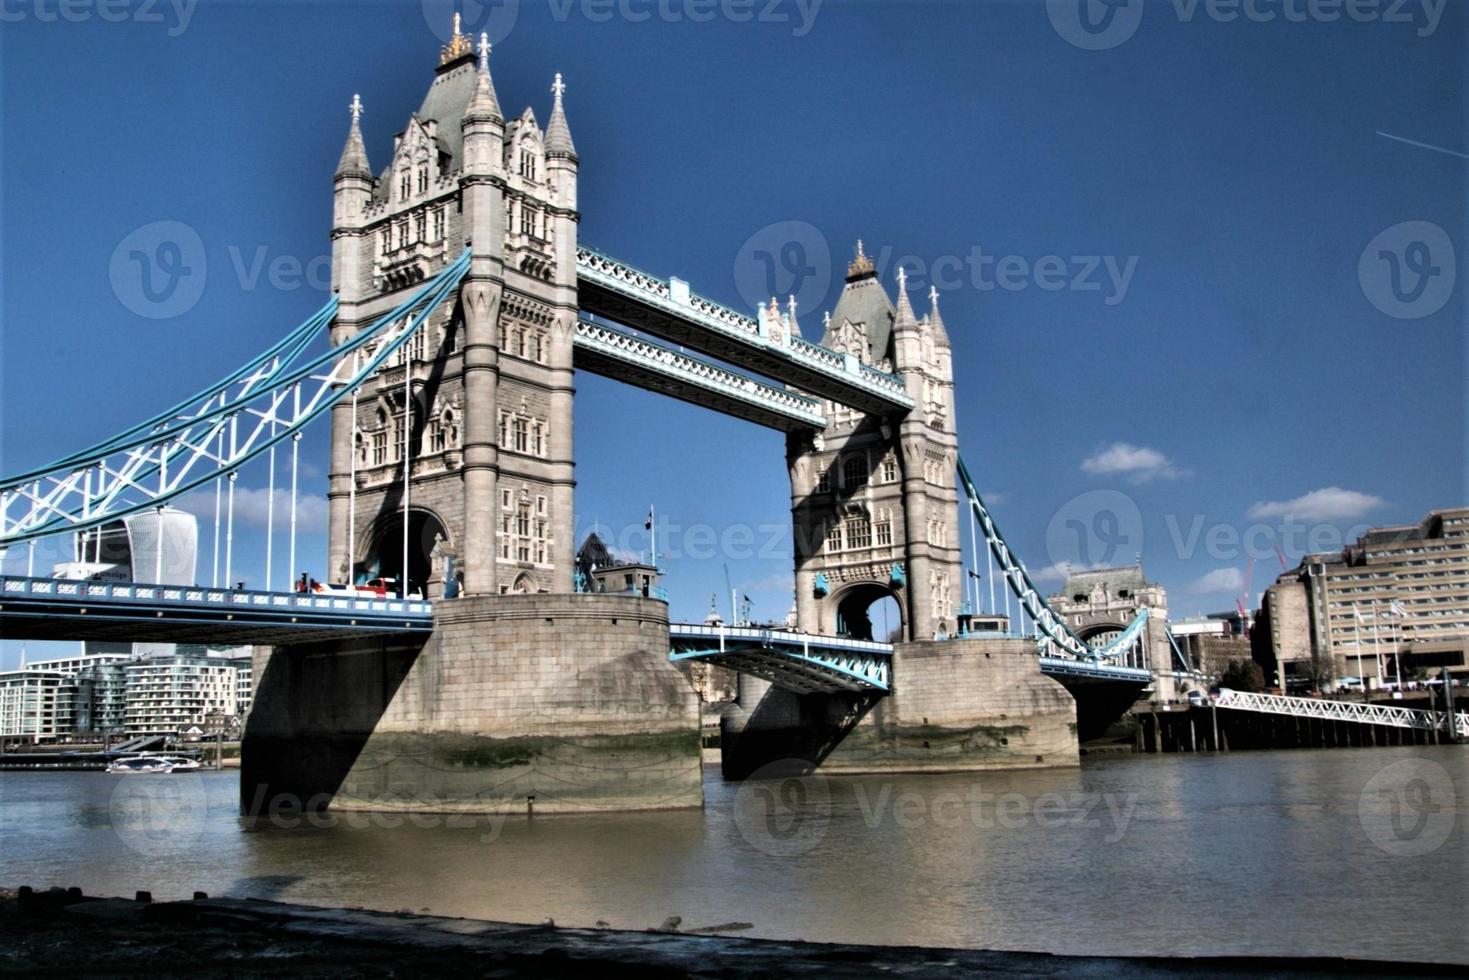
(854,471)
(422,178)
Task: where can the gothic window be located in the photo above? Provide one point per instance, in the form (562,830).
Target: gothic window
(505,536)
(859,533)
(386,238)
(500,341)
(522,522)
(834,538)
(420,227)
(505,429)
(438,224)
(890,469)
(519,434)
(854,471)
(823,481)
(379,448)
(505,500)
(541,506)
(537,350)
(422,178)
(528,164)
(360,449)
(400,232)
(883,533)
(520,342)
(403,185)
(537,440)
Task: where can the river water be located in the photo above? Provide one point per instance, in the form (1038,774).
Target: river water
(1331,852)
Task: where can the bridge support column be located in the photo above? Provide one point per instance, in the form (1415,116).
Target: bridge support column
(958,705)
(567,699)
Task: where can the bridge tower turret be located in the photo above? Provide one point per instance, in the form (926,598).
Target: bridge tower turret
(482,190)
(485,385)
(874,502)
(562,219)
(352,187)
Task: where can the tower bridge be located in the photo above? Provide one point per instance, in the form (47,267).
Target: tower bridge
(463,306)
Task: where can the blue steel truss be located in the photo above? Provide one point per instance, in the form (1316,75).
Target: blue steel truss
(603,349)
(1055,639)
(617,291)
(801,662)
(264,403)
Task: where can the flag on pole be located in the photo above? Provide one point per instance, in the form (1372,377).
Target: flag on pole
(648,525)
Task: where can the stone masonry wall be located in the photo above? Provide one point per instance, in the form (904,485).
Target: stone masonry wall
(567,698)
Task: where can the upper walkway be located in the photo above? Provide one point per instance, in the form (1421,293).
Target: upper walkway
(614,290)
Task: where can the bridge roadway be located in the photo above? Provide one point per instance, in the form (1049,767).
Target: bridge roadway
(614,290)
(809,663)
(65,609)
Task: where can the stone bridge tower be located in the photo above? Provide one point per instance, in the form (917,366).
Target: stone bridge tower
(874,503)
(1098,604)
(489,431)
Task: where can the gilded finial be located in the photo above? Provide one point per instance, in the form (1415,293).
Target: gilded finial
(860,267)
(459,45)
(356,107)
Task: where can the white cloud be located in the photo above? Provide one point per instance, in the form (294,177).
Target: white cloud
(1221,581)
(252,506)
(1326,504)
(1138,463)
(1059,571)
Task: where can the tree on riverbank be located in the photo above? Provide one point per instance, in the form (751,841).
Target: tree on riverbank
(1243,675)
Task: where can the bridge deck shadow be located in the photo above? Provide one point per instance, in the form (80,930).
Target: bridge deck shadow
(789,734)
(315,707)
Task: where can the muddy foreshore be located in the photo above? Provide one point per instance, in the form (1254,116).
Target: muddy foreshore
(64,932)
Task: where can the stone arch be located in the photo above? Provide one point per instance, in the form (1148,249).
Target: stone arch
(382,547)
(852,603)
(525,584)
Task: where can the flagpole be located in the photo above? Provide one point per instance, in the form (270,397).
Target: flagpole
(1397,643)
(1376,642)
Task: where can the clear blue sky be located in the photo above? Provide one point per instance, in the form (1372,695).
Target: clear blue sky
(1249,369)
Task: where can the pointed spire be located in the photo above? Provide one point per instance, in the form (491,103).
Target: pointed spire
(904,317)
(558,133)
(935,320)
(795,327)
(484,105)
(354,154)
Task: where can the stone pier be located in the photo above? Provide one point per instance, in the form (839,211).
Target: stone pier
(958,705)
(567,699)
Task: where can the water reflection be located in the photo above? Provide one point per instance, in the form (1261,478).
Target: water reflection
(1308,852)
